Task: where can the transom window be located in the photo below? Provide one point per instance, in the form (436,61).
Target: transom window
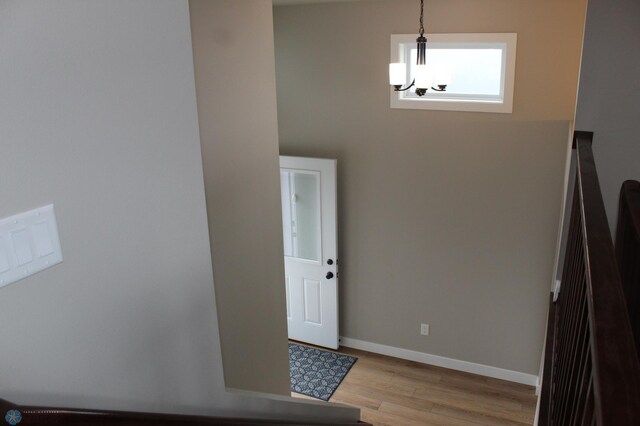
(478,69)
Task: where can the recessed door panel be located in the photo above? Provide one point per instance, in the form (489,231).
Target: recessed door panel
(312,302)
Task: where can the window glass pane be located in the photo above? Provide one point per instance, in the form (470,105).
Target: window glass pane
(470,71)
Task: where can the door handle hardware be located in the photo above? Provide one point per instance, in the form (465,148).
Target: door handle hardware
(330,262)
(329,275)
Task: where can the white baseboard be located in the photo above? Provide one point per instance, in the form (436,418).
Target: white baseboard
(440,361)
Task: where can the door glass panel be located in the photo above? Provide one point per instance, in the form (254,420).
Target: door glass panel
(301,214)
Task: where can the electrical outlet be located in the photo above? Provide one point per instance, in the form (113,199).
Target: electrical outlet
(424,329)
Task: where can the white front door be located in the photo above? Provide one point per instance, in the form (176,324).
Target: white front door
(309,219)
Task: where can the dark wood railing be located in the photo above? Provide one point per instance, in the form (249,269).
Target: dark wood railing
(628,252)
(591,373)
(23,415)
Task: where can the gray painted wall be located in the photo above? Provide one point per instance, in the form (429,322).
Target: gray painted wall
(235,83)
(609,79)
(98,116)
(445,218)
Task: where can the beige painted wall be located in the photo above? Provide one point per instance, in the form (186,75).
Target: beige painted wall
(235,84)
(445,218)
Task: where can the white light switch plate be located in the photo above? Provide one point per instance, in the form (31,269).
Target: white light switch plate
(29,243)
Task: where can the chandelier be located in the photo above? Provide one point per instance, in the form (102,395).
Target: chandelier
(423,76)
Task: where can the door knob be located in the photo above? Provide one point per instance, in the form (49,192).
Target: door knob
(329,275)
(330,262)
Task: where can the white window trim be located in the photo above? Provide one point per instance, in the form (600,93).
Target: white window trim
(398,100)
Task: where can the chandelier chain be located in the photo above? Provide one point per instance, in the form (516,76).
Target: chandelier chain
(421,18)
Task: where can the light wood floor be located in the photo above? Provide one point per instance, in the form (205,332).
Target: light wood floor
(395,392)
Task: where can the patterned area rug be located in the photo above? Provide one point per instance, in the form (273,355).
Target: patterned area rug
(315,372)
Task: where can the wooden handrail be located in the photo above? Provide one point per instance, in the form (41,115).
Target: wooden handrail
(27,415)
(594,370)
(630,200)
(628,252)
